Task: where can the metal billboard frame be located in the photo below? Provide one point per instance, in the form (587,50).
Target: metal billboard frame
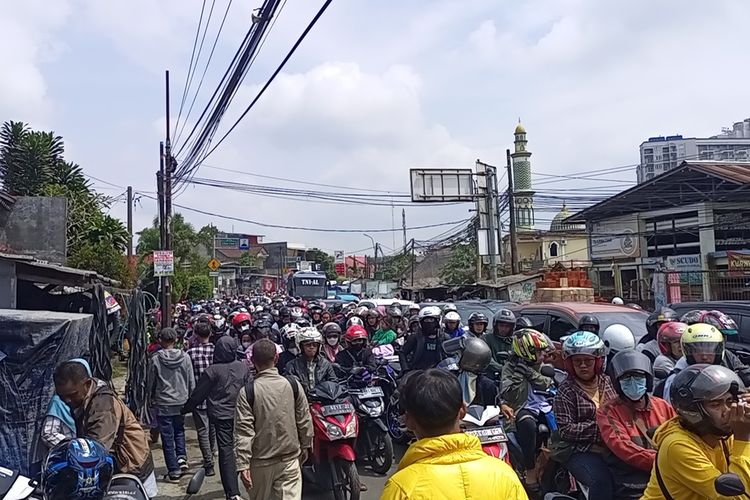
(430,185)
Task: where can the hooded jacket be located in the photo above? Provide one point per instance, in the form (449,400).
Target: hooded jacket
(501,348)
(689,466)
(450,467)
(221,382)
(299,367)
(172,380)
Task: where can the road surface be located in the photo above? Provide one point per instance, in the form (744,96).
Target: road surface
(212,489)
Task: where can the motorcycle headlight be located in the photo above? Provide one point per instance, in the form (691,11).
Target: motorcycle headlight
(374,410)
(334,431)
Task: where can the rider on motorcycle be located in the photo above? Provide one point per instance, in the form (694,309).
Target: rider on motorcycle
(372,321)
(332,337)
(709,437)
(521,382)
(575,405)
(240,323)
(500,339)
(477,325)
(315,311)
(289,342)
(627,423)
(616,337)
(452,324)
(729,330)
(310,367)
(384,334)
(669,339)
(357,354)
(425,349)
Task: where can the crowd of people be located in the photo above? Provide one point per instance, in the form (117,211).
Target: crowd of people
(657,417)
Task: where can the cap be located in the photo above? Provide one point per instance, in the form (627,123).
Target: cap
(168,334)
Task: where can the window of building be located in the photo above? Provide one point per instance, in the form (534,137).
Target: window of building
(553,249)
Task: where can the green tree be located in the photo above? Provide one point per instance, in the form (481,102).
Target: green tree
(248,260)
(461,267)
(394,267)
(325,260)
(200,287)
(102,258)
(27,158)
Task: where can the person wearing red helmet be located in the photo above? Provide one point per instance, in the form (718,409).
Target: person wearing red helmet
(668,338)
(356,354)
(240,323)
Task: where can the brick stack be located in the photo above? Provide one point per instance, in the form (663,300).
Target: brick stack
(563,285)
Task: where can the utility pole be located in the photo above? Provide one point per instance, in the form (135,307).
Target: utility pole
(403,225)
(491,173)
(512,210)
(375,265)
(130,227)
(413,262)
(168,170)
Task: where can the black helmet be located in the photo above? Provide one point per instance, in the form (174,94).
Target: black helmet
(474,353)
(696,384)
(331,329)
(478,317)
(658,317)
(591,321)
(629,361)
(523,322)
(504,316)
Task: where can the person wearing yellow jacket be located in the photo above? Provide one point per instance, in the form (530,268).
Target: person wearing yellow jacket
(445,464)
(710,436)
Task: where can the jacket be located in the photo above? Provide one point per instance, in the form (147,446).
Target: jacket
(348,359)
(501,348)
(616,421)
(451,467)
(576,413)
(171,380)
(419,353)
(689,466)
(221,382)
(105,418)
(298,368)
(517,378)
(381,337)
(276,427)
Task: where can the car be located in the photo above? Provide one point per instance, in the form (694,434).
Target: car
(386,303)
(738,310)
(466,308)
(560,319)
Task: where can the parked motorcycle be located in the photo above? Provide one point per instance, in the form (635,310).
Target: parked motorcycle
(374,441)
(485,422)
(336,428)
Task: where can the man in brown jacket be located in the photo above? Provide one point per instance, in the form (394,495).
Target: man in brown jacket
(99,414)
(274,434)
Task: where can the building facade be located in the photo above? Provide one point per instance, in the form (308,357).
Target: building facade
(660,154)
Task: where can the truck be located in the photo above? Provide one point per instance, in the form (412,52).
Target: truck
(308,285)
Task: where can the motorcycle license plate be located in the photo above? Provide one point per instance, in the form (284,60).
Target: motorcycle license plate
(489,434)
(369,392)
(338,409)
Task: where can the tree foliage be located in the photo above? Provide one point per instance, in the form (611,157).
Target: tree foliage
(395,267)
(325,260)
(32,164)
(461,267)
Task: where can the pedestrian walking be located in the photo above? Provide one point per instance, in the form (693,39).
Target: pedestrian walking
(202,356)
(219,386)
(171,380)
(274,430)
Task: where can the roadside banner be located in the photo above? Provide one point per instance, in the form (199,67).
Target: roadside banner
(163,263)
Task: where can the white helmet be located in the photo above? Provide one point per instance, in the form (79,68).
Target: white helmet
(449,307)
(452,316)
(618,337)
(290,331)
(430,312)
(308,334)
(297,313)
(618,301)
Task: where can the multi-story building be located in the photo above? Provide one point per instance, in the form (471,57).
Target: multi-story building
(660,154)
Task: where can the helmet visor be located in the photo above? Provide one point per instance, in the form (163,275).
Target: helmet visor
(692,348)
(714,383)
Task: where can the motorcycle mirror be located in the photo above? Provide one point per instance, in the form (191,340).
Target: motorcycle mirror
(194,486)
(729,485)
(547,371)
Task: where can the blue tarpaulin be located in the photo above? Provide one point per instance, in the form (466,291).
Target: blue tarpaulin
(32,344)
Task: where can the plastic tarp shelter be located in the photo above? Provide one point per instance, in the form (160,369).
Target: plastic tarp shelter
(32,344)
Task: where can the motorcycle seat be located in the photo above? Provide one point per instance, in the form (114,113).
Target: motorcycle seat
(126,487)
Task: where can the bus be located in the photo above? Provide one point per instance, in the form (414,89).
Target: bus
(308,285)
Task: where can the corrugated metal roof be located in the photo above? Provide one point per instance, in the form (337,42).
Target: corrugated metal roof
(55,271)
(738,173)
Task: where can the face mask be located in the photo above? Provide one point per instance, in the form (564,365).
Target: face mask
(429,328)
(332,341)
(244,327)
(245,345)
(293,350)
(634,388)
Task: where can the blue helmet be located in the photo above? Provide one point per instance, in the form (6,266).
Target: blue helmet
(77,469)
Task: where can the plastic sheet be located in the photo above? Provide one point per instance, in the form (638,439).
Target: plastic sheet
(32,344)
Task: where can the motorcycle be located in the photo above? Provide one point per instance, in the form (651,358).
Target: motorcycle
(14,486)
(374,441)
(485,422)
(336,427)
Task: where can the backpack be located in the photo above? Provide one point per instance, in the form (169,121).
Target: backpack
(250,389)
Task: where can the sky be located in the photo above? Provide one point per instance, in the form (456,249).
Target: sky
(377,88)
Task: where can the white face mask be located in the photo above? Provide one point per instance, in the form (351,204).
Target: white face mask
(332,341)
(293,350)
(246,344)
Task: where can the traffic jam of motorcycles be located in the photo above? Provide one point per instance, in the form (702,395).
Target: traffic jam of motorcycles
(301,398)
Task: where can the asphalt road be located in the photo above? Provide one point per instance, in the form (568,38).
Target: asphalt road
(212,489)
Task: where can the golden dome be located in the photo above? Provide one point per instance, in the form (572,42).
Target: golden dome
(520,129)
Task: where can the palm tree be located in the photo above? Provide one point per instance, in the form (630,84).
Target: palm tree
(69,175)
(27,158)
(109,230)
